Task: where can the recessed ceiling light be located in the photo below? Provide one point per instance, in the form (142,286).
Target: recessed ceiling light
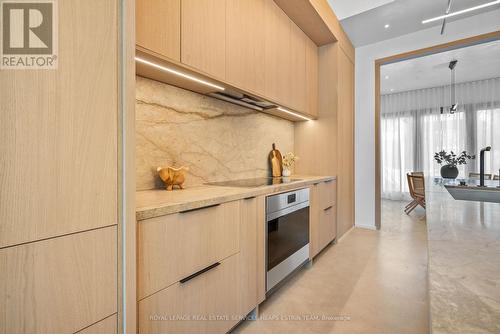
(387,26)
(387,77)
(392,89)
(461,11)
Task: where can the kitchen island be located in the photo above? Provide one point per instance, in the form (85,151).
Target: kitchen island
(464,263)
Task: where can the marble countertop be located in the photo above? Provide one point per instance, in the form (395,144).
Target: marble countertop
(464,263)
(159,202)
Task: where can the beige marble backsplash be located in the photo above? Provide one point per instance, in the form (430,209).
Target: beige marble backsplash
(217,140)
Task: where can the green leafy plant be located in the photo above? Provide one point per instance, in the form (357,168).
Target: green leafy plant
(451,159)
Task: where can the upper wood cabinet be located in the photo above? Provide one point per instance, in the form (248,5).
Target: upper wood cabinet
(249,44)
(245,36)
(158,26)
(285,59)
(203,41)
(311,78)
(297,94)
(277,50)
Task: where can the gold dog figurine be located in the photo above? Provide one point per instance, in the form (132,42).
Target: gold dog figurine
(172,176)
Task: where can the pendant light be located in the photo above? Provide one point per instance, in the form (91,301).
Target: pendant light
(453,102)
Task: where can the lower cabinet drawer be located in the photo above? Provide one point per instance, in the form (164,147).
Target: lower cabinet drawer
(174,246)
(328,225)
(328,193)
(207,303)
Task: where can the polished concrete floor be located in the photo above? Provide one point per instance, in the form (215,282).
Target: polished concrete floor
(369,282)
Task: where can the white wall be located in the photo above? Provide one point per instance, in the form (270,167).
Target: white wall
(365,97)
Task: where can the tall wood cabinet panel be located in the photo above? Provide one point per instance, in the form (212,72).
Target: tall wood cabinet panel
(158,26)
(60,285)
(58,132)
(245,34)
(346,143)
(203,38)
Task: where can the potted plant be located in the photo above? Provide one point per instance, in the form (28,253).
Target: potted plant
(450,161)
(289,160)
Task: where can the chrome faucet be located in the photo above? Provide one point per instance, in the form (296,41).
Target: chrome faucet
(481,165)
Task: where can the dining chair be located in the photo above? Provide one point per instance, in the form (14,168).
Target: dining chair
(476,176)
(416,184)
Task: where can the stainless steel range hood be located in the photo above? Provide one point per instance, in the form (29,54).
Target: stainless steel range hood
(173,73)
(243,100)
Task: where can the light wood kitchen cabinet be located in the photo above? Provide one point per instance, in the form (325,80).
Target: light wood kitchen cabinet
(297,97)
(248,254)
(59,285)
(203,37)
(61,180)
(158,26)
(228,239)
(277,54)
(345,149)
(311,78)
(245,34)
(327,226)
(175,246)
(60,140)
(323,221)
(191,307)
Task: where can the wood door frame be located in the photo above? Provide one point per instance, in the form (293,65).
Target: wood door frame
(457,44)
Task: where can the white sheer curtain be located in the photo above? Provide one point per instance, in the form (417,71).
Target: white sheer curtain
(413,129)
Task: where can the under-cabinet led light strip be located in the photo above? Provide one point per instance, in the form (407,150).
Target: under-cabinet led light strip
(461,11)
(184,75)
(294,114)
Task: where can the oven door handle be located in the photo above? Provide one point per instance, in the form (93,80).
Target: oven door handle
(286,211)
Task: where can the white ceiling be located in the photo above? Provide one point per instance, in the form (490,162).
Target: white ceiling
(347,8)
(366,24)
(476,62)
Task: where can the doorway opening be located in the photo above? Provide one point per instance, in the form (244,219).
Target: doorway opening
(443,98)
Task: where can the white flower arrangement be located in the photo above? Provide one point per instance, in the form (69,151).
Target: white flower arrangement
(289,160)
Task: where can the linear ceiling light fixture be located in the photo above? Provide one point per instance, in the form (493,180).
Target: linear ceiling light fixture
(448,8)
(294,114)
(184,75)
(460,12)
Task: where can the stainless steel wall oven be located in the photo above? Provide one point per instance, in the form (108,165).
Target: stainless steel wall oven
(287,236)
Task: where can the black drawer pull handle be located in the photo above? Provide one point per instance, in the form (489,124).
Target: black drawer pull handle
(251,197)
(190,277)
(328,208)
(195,209)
